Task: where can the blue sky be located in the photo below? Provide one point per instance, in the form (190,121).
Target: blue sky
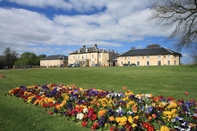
(62,26)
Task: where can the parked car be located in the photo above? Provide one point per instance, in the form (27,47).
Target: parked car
(98,65)
(70,65)
(28,66)
(125,64)
(133,64)
(76,65)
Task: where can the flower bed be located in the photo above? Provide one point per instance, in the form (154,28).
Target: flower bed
(110,110)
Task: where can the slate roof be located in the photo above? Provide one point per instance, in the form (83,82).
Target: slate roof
(85,50)
(55,57)
(150,51)
(89,50)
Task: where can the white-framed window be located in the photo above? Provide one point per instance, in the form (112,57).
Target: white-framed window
(159,56)
(147,56)
(129,63)
(78,56)
(92,55)
(121,63)
(138,63)
(128,57)
(147,63)
(175,62)
(99,55)
(168,62)
(159,63)
(138,57)
(168,55)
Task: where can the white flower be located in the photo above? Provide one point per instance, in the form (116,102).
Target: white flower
(80,116)
(41,93)
(85,110)
(129,112)
(173,120)
(108,95)
(119,109)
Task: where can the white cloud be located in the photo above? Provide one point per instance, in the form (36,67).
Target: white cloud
(186,55)
(122,21)
(68,51)
(44,3)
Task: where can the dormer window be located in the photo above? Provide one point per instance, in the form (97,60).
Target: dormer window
(86,50)
(78,51)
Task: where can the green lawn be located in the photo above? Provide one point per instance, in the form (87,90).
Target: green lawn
(18,116)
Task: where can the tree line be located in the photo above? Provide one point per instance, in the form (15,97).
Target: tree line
(11,57)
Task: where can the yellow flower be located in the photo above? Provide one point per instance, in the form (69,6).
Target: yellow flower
(136,117)
(129,104)
(172,104)
(121,119)
(10,91)
(164,128)
(130,119)
(134,125)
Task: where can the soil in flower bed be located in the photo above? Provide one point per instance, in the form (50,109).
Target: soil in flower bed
(110,110)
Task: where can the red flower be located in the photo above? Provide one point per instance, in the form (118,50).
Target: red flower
(85,116)
(112,128)
(79,109)
(84,123)
(94,126)
(186,93)
(50,112)
(93,117)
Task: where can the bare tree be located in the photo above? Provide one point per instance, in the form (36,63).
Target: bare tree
(180,15)
(194,54)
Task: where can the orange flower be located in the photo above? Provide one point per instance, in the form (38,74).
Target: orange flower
(57,106)
(98,104)
(154,116)
(149,118)
(102,112)
(124,87)
(111,118)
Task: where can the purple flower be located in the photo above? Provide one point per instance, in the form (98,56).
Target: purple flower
(101,121)
(23,87)
(55,110)
(122,129)
(111,112)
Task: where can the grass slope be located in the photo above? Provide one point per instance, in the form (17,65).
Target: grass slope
(15,115)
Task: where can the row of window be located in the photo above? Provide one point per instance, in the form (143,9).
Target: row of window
(148,63)
(85,56)
(138,57)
